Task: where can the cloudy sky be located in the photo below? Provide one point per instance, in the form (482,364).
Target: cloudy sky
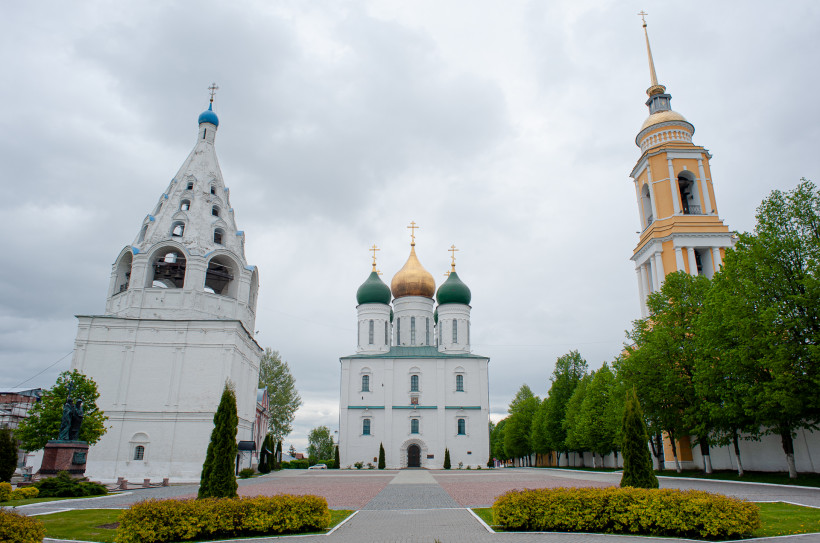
(505,128)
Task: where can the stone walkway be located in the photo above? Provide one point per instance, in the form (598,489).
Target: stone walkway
(425,506)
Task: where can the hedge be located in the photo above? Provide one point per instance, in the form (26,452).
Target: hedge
(17,528)
(6,493)
(665,512)
(156,521)
(296,464)
(65,486)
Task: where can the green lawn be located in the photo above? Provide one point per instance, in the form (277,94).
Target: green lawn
(803,479)
(777,519)
(16,503)
(85,524)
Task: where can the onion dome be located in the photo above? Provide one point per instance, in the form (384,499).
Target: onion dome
(373,291)
(453,291)
(664,117)
(208,116)
(413,279)
(435,316)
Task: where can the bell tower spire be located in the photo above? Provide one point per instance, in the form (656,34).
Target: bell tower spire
(680,227)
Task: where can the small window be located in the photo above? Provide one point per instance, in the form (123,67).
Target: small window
(414,383)
(365,383)
(370,332)
(386,338)
(366,427)
(459,383)
(178,229)
(412,330)
(427,331)
(215,211)
(139,452)
(455,331)
(414,426)
(218,235)
(213,189)
(398,331)
(462,427)
(190,186)
(142,233)
(184,205)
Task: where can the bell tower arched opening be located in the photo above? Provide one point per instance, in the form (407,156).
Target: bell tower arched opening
(220,277)
(168,267)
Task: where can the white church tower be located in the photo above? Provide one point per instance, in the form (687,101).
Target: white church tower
(413,384)
(178,323)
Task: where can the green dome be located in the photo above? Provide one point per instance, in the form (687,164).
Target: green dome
(435,316)
(453,291)
(373,291)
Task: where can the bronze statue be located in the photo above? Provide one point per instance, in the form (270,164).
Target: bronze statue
(76,421)
(65,422)
(72,418)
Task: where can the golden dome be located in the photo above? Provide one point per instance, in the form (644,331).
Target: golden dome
(413,279)
(662,117)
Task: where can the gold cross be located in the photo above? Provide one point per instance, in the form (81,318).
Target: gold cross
(213,88)
(412,228)
(374,249)
(453,250)
(643,15)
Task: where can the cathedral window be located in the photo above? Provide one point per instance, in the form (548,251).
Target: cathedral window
(184,205)
(386,338)
(365,383)
(398,331)
(213,189)
(139,452)
(190,186)
(143,231)
(218,235)
(178,229)
(414,383)
(459,383)
(219,278)
(169,269)
(455,331)
(215,211)
(370,333)
(462,427)
(412,330)
(427,331)
(414,426)
(366,427)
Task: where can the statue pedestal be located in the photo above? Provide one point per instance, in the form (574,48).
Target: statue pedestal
(67,456)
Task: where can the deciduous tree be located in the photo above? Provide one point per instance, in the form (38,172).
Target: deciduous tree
(284,399)
(517,432)
(320,443)
(569,370)
(8,455)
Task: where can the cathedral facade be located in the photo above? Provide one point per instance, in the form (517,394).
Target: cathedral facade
(178,324)
(413,386)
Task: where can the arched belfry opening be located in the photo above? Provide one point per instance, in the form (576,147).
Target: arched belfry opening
(220,276)
(690,204)
(168,269)
(123,272)
(646,203)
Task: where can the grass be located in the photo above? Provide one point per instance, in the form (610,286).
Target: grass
(782,478)
(777,519)
(572,468)
(85,524)
(15,503)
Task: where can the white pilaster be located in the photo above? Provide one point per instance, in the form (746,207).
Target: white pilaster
(716,258)
(679,258)
(652,192)
(673,186)
(659,273)
(693,263)
(704,189)
(642,288)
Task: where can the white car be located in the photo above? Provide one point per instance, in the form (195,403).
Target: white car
(318,466)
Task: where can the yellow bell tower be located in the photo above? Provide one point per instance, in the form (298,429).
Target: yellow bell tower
(680,227)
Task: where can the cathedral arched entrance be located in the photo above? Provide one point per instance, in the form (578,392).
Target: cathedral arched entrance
(413,453)
(414,456)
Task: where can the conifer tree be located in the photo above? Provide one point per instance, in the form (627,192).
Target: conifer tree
(336,457)
(277,463)
(638,472)
(218,472)
(446,458)
(8,455)
(381,456)
(266,455)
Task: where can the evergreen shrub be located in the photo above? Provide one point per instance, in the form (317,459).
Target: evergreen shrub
(381,456)
(5,492)
(246,473)
(336,457)
(17,528)
(217,479)
(446,458)
(65,486)
(25,493)
(160,521)
(665,512)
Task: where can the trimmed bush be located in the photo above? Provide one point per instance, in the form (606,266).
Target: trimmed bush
(665,512)
(17,528)
(296,464)
(446,458)
(159,521)
(5,492)
(64,486)
(25,493)
(246,473)
(381,456)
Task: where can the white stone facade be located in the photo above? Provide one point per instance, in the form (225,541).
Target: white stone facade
(179,321)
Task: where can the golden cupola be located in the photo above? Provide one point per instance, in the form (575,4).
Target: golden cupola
(412,279)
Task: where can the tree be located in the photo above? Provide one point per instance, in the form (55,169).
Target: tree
(292,451)
(593,419)
(569,370)
(8,455)
(381,456)
(538,431)
(43,422)
(277,459)
(762,320)
(576,438)
(218,479)
(638,471)
(517,433)
(661,363)
(446,458)
(283,398)
(320,443)
(266,455)
(497,440)
(336,457)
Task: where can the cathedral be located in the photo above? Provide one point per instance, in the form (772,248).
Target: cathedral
(413,385)
(178,324)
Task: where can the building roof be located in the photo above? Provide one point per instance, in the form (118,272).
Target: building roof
(413,352)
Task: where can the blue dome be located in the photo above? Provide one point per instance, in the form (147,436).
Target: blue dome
(209,116)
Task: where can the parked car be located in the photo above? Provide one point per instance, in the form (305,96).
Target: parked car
(318,466)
